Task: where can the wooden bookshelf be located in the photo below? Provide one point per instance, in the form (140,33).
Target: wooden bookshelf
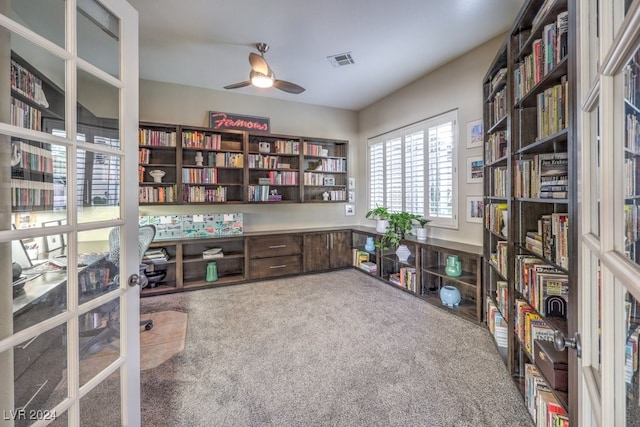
(530,195)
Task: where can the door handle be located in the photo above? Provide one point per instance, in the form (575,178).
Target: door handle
(560,342)
(134,280)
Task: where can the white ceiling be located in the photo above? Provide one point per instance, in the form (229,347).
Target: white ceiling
(207,43)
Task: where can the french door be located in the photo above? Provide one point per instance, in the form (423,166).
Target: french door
(69,331)
(610,211)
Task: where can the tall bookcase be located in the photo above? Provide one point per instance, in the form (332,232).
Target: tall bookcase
(530,196)
(197,165)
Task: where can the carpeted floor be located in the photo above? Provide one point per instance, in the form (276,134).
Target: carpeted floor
(335,349)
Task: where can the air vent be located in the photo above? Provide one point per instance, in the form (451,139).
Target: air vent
(341,59)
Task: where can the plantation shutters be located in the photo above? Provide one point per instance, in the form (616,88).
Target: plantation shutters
(413,169)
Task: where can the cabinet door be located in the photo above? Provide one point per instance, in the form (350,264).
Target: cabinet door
(316,252)
(340,249)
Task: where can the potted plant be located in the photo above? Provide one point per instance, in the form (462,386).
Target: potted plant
(400,225)
(382,215)
(421,231)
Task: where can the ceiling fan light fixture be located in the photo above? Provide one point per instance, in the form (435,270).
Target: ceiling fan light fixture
(261,80)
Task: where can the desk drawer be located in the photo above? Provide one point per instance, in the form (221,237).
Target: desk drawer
(275,266)
(273,246)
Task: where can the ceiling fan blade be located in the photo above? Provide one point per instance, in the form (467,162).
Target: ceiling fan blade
(238,85)
(287,86)
(258,63)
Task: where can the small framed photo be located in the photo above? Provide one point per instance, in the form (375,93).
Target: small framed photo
(475,169)
(475,134)
(475,209)
(349,210)
(329,181)
(54,241)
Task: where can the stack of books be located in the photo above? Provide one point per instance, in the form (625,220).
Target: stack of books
(369,266)
(212,253)
(156,255)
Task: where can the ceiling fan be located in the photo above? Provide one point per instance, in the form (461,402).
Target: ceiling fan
(262,76)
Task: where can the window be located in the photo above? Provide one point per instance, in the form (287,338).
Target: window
(413,169)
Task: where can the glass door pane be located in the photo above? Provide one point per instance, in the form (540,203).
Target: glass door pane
(631,375)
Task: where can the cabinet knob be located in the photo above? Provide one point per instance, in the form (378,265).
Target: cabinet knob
(560,342)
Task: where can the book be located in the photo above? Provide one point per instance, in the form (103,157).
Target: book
(212,253)
(553,194)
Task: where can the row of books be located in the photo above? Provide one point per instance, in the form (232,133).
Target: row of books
(196,139)
(200,175)
(157,138)
(500,182)
(200,194)
(545,287)
(261,161)
(543,176)
(630,183)
(631,223)
(280,178)
(632,133)
(405,278)
(546,52)
(31,157)
(166,194)
(227,160)
(631,356)
(496,146)
(630,77)
(530,326)
(499,257)
(497,325)
(156,255)
(553,109)
(496,218)
(497,107)
(337,195)
(314,149)
(26,194)
(25,116)
(549,241)
(27,84)
(332,165)
(499,79)
(315,178)
(287,147)
(543,406)
(362,260)
(262,193)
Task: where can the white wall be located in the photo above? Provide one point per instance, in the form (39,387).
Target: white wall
(457,85)
(187,105)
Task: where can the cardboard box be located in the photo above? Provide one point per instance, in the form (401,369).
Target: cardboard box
(552,364)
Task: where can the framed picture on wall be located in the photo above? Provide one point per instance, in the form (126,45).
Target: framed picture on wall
(475,133)
(475,209)
(54,241)
(475,169)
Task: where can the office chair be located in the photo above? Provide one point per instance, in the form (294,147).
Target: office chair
(146,234)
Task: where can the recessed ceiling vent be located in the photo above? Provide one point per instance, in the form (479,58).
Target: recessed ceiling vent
(341,59)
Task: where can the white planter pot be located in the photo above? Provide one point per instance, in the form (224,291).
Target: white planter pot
(381,225)
(421,233)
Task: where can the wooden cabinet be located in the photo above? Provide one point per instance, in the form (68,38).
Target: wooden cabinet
(328,250)
(325,170)
(212,166)
(530,237)
(272,256)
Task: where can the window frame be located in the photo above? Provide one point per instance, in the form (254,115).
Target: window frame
(424,126)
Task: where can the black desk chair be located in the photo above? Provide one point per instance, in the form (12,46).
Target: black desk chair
(146,234)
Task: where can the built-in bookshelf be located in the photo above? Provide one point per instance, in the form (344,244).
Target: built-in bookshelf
(325,170)
(530,203)
(31,176)
(184,164)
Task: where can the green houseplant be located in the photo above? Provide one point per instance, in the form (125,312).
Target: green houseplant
(382,214)
(400,225)
(421,231)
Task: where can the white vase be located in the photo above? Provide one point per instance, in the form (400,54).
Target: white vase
(381,225)
(403,253)
(157,175)
(199,158)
